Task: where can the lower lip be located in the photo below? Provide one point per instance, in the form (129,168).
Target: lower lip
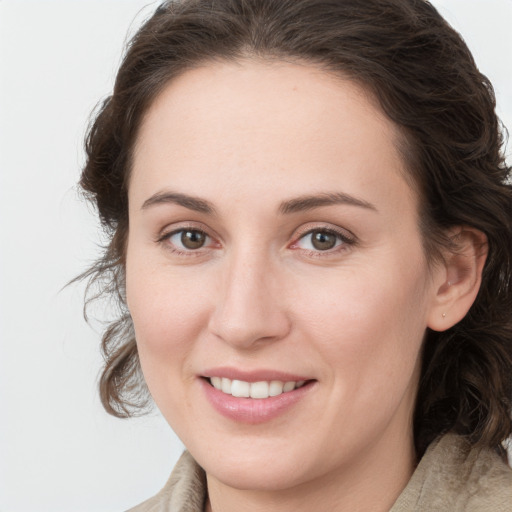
(253,410)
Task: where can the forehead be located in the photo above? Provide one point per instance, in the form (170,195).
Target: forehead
(260,125)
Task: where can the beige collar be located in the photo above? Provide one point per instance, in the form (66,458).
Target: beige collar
(451,477)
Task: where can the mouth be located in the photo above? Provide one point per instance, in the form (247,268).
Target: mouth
(254,397)
(257,390)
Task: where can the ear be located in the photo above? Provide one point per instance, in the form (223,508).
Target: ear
(457,279)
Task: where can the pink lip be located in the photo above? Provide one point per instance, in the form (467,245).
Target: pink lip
(253,375)
(253,411)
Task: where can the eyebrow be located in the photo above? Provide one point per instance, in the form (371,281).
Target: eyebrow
(190,202)
(299,204)
(305,203)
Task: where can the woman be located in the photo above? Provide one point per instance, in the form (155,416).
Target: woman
(311,245)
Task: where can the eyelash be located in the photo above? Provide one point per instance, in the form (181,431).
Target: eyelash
(166,236)
(345,241)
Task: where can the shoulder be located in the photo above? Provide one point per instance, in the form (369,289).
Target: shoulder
(185,490)
(453,476)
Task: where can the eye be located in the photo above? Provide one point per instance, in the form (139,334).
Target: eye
(188,239)
(321,240)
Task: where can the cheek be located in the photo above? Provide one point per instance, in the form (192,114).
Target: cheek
(368,326)
(168,314)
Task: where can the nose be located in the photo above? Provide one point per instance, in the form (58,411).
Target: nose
(250,309)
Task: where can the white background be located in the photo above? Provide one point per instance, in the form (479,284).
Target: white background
(59,451)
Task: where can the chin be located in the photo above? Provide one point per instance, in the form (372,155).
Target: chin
(257,464)
(267,476)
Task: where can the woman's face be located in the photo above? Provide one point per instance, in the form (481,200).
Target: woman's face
(274,239)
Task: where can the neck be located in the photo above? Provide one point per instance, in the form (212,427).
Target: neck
(370,484)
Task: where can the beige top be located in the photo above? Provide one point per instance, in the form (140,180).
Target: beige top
(451,477)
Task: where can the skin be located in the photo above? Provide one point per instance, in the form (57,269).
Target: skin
(247,137)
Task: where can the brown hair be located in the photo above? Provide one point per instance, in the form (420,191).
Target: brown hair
(426,81)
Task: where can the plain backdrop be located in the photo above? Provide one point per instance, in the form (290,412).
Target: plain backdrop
(59,451)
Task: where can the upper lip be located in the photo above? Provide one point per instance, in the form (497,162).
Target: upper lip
(257,375)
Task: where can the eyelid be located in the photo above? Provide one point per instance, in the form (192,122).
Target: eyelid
(176,227)
(310,227)
(347,238)
(167,232)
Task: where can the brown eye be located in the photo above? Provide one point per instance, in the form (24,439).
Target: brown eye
(323,240)
(192,239)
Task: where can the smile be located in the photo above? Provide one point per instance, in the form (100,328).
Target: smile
(261,397)
(258,390)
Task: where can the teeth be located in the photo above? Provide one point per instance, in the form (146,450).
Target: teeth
(259,390)
(240,388)
(226,386)
(262,389)
(216,382)
(275,388)
(288,386)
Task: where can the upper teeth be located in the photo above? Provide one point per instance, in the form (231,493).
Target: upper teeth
(263,389)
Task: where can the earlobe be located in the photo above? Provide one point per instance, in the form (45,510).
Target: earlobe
(458,278)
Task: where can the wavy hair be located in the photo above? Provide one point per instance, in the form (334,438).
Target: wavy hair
(426,81)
